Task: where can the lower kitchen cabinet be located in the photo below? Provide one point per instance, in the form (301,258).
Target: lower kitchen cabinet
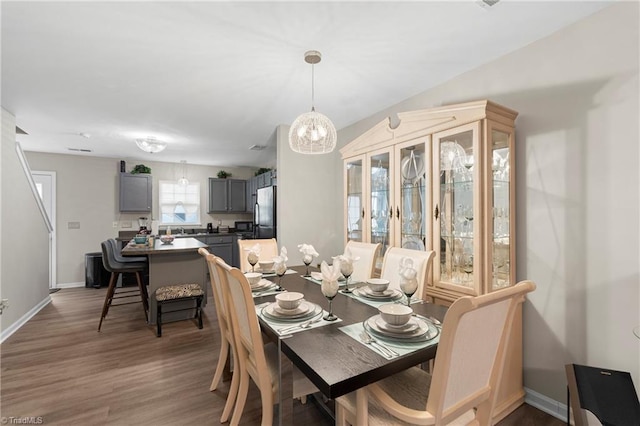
(223,246)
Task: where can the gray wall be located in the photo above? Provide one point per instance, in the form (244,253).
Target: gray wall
(24,242)
(87,192)
(578,188)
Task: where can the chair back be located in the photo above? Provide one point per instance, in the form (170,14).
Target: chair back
(471,354)
(602,396)
(108,257)
(422,261)
(368,253)
(268,250)
(218,297)
(246,329)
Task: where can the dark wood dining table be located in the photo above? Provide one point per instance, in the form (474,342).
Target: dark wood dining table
(332,360)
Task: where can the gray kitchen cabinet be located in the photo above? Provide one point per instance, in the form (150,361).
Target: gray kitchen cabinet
(135,192)
(252,188)
(227,195)
(224,246)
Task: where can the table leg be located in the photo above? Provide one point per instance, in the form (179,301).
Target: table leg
(362,407)
(285,388)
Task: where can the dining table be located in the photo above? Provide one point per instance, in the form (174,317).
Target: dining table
(176,263)
(330,354)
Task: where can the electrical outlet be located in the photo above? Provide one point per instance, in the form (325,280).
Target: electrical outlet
(73,225)
(115,224)
(126,224)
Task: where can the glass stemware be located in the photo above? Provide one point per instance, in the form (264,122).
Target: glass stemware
(252,258)
(409,287)
(346,269)
(280,269)
(329,290)
(307,259)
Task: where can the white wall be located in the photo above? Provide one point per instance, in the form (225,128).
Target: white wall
(24,240)
(308,187)
(87,190)
(578,188)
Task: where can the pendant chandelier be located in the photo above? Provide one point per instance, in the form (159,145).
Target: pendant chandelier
(183,180)
(151,145)
(312,132)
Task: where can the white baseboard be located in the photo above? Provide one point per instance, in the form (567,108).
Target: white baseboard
(26,317)
(70,285)
(546,404)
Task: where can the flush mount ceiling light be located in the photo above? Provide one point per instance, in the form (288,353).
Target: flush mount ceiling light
(151,145)
(312,132)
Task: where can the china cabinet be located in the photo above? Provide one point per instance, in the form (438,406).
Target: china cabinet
(442,179)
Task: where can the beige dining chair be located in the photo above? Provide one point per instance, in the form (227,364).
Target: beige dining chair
(227,342)
(364,267)
(256,361)
(268,250)
(422,261)
(468,368)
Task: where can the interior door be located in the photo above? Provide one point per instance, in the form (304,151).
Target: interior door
(46,187)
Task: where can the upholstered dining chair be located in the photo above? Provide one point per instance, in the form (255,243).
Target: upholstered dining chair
(364,267)
(256,361)
(116,268)
(468,368)
(227,342)
(268,250)
(422,261)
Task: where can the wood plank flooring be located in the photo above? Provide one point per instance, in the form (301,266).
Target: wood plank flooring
(58,367)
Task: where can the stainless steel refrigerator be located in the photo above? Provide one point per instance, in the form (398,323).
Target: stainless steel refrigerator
(264,213)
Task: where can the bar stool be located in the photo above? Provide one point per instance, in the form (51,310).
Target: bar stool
(116,268)
(175,293)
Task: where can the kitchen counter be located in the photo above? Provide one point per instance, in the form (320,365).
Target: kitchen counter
(177,263)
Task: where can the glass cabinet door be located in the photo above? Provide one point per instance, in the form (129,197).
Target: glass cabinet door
(380,199)
(500,197)
(412,199)
(355,208)
(457,209)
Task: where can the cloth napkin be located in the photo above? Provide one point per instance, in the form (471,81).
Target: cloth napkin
(330,276)
(308,252)
(256,249)
(408,274)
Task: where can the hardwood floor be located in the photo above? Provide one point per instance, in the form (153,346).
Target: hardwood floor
(59,368)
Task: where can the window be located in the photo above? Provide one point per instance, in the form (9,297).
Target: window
(179,204)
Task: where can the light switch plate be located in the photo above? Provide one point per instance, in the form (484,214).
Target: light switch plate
(73,225)
(115,224)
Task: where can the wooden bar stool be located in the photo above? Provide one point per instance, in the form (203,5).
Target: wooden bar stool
(116,268)
(175,293)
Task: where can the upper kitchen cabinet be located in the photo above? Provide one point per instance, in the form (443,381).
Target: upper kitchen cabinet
(441,180)
(227,195)
(135,192)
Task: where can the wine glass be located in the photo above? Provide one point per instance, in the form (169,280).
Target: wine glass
(280,269)
(252,258)
(409,287)
(329,289)
(307,259)
(346,269)
(467,265)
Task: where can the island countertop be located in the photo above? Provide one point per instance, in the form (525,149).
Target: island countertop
(179,245)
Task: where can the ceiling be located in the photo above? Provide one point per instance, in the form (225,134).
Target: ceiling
(214,78)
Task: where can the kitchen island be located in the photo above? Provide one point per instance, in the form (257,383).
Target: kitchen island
(176,263)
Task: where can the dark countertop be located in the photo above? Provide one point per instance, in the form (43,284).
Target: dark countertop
(179,245)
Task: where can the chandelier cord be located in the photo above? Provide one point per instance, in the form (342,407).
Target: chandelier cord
(313,107)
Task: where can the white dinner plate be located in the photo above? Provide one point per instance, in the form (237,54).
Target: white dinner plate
(412,167)
(270,312)
(409,327)
(262,285)
(372,295)
(424,331)
(302,309)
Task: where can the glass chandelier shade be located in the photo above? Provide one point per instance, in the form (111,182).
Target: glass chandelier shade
(183,180)
(151,145)
(312,132)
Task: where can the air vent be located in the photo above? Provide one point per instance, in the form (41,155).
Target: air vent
(257,147)
(79,150)
(487,3)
